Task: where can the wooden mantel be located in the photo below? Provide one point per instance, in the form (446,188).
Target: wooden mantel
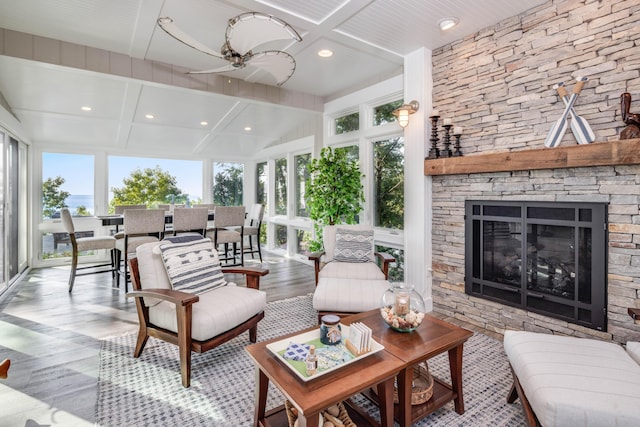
(626,152)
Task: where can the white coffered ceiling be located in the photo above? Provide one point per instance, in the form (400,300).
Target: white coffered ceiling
(369,39)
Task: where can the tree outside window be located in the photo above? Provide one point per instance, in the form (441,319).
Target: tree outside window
(281,186)
(388,175)
(153,181)
(65,186)
(302,175)
(383,114)
(149,186)
(227,184)
(348,123)
(262,175)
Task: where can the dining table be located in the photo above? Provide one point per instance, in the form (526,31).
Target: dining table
(118,220)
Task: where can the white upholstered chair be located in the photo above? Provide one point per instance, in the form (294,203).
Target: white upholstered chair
(348,278)
(193,321)
(87,244)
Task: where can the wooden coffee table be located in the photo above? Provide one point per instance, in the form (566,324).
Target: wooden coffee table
(432,337)
(315,395)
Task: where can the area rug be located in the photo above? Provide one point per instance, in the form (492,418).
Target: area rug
(147,391)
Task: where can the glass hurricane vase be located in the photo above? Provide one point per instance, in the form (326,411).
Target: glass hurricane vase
(402,307)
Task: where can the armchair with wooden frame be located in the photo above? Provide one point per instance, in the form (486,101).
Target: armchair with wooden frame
(348,278)
(193,322)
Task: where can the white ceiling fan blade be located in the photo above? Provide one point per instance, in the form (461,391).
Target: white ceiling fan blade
(279,64)
(248,30)
(222,69)
(172,29)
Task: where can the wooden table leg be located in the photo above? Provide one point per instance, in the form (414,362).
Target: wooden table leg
(262,387)
(455,366)
(385,402)
(405,380)
(311,420)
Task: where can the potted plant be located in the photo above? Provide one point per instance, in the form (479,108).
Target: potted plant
(334,192)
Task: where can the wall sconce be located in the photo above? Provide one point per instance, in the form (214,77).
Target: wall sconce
(403,112)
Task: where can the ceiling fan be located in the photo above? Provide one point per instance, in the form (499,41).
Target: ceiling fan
(245,32)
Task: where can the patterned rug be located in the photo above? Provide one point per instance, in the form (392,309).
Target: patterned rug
(148,392)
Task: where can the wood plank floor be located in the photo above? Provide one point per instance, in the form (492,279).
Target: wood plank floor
(53,338)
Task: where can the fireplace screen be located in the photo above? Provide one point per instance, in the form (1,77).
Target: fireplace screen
(549,258)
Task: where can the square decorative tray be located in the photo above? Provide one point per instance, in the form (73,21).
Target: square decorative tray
(313,337)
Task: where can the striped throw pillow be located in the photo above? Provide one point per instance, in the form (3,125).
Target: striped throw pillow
(192,266)
(353,245)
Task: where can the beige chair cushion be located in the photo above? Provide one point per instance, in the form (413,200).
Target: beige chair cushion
(349,296)
(351,270)
(573,381)
(218,311)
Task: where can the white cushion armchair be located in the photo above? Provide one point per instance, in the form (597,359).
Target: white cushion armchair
(196,321)
(348,279)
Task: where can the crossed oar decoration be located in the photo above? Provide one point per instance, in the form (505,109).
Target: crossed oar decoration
(579,126)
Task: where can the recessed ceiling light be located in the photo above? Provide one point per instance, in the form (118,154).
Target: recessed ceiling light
(203,123)
(149,116)
(247,128)
(447,23)
(85,108)
(325,53)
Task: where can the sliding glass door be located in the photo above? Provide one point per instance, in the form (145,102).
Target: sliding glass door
(13,210)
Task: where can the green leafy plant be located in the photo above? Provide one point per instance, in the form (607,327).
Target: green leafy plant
(334,193)
(53,198)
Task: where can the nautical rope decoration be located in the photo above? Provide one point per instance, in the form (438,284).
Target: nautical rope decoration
(353,245)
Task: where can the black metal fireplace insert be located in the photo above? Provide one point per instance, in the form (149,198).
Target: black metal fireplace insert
(544,257)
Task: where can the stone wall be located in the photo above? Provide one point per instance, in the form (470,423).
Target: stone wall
(497,85)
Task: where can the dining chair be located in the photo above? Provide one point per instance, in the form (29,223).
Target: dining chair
(140,226)
(229,228)
(82,244)
(190,221)
(252,230)
(119,210)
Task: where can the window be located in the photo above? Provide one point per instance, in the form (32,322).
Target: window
(70,187)
(348,123)
(396,269)
(352,152)
(227,184)
(388,175)
(281,236)
(65,186)
(302,175)
(303,240)
(382,114)
(137,181)
(281,186)
(262,186)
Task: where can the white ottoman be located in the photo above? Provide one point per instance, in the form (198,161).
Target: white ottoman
(572,381)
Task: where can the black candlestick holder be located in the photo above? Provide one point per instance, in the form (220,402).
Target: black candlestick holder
(446,152)
(456,146)
(434,153)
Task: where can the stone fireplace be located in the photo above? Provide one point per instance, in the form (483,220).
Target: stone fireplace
(497,84)
(543,257)
(536,180)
